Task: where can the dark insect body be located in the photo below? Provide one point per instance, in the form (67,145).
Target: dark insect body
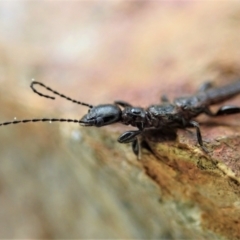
(179,114)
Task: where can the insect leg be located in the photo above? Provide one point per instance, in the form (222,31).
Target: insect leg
(128,136)
(205,86)
(122,103)
(164,99)
(198,132)
(224,110)
(136,147)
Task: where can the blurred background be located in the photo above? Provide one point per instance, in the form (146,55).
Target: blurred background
(64,181)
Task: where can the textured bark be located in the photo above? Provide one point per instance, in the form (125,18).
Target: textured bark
(66,181)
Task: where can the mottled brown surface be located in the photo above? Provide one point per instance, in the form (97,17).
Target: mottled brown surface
(66,181)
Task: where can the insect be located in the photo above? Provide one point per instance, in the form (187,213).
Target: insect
(178,114)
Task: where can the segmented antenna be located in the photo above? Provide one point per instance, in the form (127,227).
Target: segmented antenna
(50,120)
(55,92)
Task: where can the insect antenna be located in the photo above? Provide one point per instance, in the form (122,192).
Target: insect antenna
(56,93)
(50,120)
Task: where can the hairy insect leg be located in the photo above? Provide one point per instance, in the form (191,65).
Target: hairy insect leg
(205,86)
(199,136)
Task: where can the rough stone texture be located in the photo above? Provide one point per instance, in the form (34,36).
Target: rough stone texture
(65,181)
